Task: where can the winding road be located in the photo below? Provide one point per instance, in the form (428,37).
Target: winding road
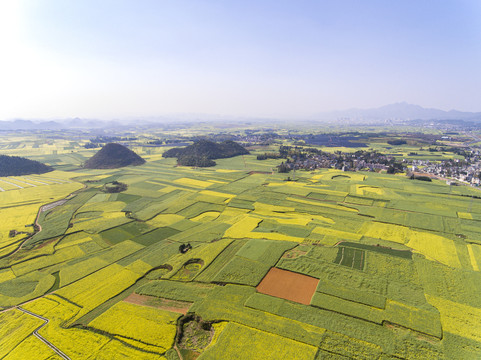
(45,341)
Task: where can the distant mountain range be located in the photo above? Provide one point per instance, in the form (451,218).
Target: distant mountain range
(393,112)
(76,123)
(398,111)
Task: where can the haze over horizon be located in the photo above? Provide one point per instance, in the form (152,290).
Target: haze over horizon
(119,59)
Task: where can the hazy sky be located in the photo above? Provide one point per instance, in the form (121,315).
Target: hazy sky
(116,58)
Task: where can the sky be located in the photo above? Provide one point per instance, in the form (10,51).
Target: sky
(114,59)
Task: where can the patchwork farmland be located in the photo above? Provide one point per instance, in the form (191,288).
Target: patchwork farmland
(234,261)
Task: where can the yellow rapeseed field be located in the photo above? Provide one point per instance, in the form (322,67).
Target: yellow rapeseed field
(73,239)
(242,227)
(6,274)
(367,190)
(71,273)
(390,232)
(140,267)
(61,255)
(193,182)
(218,328)
(32,348)
(206,216)
(216,193)
(241,342)
(474,255)
(434,247)
(15,218)
(151,325)
(337,233)
(98,287)
(162,220)
(465,215)
(231,215)
(41,305)
(207,252)
(458,319)
(114,349)
(271,210)
(14,327)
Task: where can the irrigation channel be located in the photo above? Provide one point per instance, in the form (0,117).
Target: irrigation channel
(45,341)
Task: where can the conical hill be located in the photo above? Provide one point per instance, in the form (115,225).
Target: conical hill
(113,156)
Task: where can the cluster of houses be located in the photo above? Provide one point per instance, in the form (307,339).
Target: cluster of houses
(358,161)
(466,171)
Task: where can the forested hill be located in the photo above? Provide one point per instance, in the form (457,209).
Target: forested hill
(202,152)
(15,166)
(113,156)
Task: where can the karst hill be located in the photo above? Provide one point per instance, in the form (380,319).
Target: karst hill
(202,152)
(113,156)
(15,166)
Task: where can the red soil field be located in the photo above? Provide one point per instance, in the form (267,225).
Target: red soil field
(288,285)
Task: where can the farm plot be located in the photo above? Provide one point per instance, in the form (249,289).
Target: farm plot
(174,290)
(95,289)
(15,327)
(208,274)
(350,257)
(288,285)
(252,262)
(24,288)
(176,306)
(145,324)
(238,341)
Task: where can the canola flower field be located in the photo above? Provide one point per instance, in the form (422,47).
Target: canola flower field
(397,263)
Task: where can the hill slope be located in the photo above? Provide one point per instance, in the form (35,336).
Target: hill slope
(202,152)
(15,165)
(113,156)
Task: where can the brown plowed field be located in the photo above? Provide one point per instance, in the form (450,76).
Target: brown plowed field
(288,285)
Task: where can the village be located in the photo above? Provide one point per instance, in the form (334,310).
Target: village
(467,171)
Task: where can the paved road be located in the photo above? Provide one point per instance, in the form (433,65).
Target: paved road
(45,341)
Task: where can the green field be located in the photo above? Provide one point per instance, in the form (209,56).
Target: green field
(397,261)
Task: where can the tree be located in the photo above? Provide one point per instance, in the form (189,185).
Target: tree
(282,168)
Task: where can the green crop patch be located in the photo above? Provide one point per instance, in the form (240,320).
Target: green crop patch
(199,208)
(243,271)
(174,290)
(352,258)
(405,254)
(208,274)
(351,294)
(241,204)
(124,232)
(155,236)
